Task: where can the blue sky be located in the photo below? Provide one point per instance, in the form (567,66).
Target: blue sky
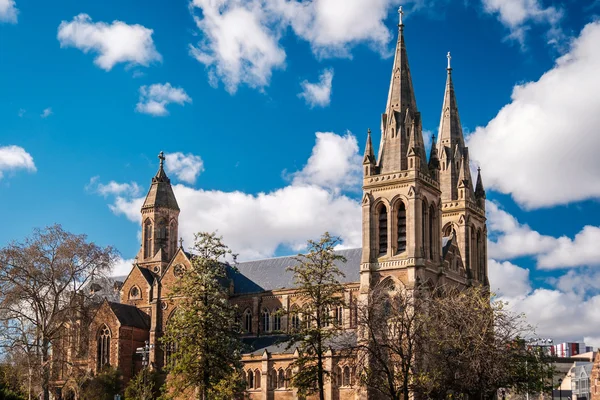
(92,91)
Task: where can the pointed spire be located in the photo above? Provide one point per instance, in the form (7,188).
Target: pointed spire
(434,161)
(464,177)
(479,190)
(450,131)
(161,193)
(369,157)
(401,94)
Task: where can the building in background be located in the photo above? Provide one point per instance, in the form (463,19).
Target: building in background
(570,349)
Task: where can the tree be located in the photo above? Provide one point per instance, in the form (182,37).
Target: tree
(9,383)
(103,386)
(143,386)
(40,293)
(392,325)
(319,292)
(475,347)
(203,331)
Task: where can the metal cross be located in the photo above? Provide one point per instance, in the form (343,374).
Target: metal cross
(449,58)
(401,13)
(180,242)
(161,157)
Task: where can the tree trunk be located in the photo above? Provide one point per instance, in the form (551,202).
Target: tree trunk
(45,369)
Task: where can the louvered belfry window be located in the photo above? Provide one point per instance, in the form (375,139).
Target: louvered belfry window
(401,228)
(383,235)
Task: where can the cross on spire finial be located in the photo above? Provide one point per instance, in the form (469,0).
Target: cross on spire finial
(400,13)
(180,242)
(161,157)
(449,58)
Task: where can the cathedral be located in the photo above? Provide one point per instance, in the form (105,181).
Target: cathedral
(423,221)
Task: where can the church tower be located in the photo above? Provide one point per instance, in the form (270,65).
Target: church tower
(463,208)
(401,201)
(160,214)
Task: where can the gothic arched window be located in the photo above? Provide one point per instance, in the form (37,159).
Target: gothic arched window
(280,379)
(339,315)
(325,315)
(148,239)
(256,379)
(266,320)
(401,227)
(103,347)
(250,379)
(480,258)
(346,376)
(424,227)
(433,233)
(383,224)
(277,320)
(248,320)
(173,237)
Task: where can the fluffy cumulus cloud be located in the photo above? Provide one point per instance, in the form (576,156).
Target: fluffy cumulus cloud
(155,98)
(115,43)
(541,148)
(334,163)
(563,312)
(13,158)
(312,203)
(318,94)
(517,15)
(186,167)
(8,11)
(510,239)
(241,38)
(113,188)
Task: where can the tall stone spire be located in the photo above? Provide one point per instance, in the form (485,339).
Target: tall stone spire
(161,193)
(479,190)
(450,142)
(401,107)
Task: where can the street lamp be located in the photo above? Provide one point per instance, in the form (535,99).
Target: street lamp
(559,388)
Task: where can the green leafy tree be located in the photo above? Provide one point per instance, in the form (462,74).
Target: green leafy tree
(319,293)
(143,386)
(203,331)
(103,386)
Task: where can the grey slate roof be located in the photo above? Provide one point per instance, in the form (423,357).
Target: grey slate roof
(271,273)
(130,315)
(277,344)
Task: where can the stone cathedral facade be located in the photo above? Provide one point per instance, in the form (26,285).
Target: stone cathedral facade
(423,221)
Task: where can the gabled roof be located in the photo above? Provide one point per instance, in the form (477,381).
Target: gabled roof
(130,315)
(272,274)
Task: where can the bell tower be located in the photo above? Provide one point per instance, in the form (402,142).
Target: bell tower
(160,220)
(401,215)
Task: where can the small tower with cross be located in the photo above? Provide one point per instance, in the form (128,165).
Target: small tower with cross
(160,221)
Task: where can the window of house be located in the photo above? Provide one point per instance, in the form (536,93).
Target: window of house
(266,320)
(401,228)
(134,293)
(383,235)
(250,379)
(103,347)
(325,315)
(277,320)
(248,320)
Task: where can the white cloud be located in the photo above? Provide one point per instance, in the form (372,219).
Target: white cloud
(238,45)
(21,112)
(114,43)
(510,239)
(122,267)
(564,313)
(241,42)
(541,148)
(8,11)
(318,94)
(155,98)
(186,167)
(334,163)
(46,113)
(113,188)
(517,15)
(507,279)
(310,205)
(14,158)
